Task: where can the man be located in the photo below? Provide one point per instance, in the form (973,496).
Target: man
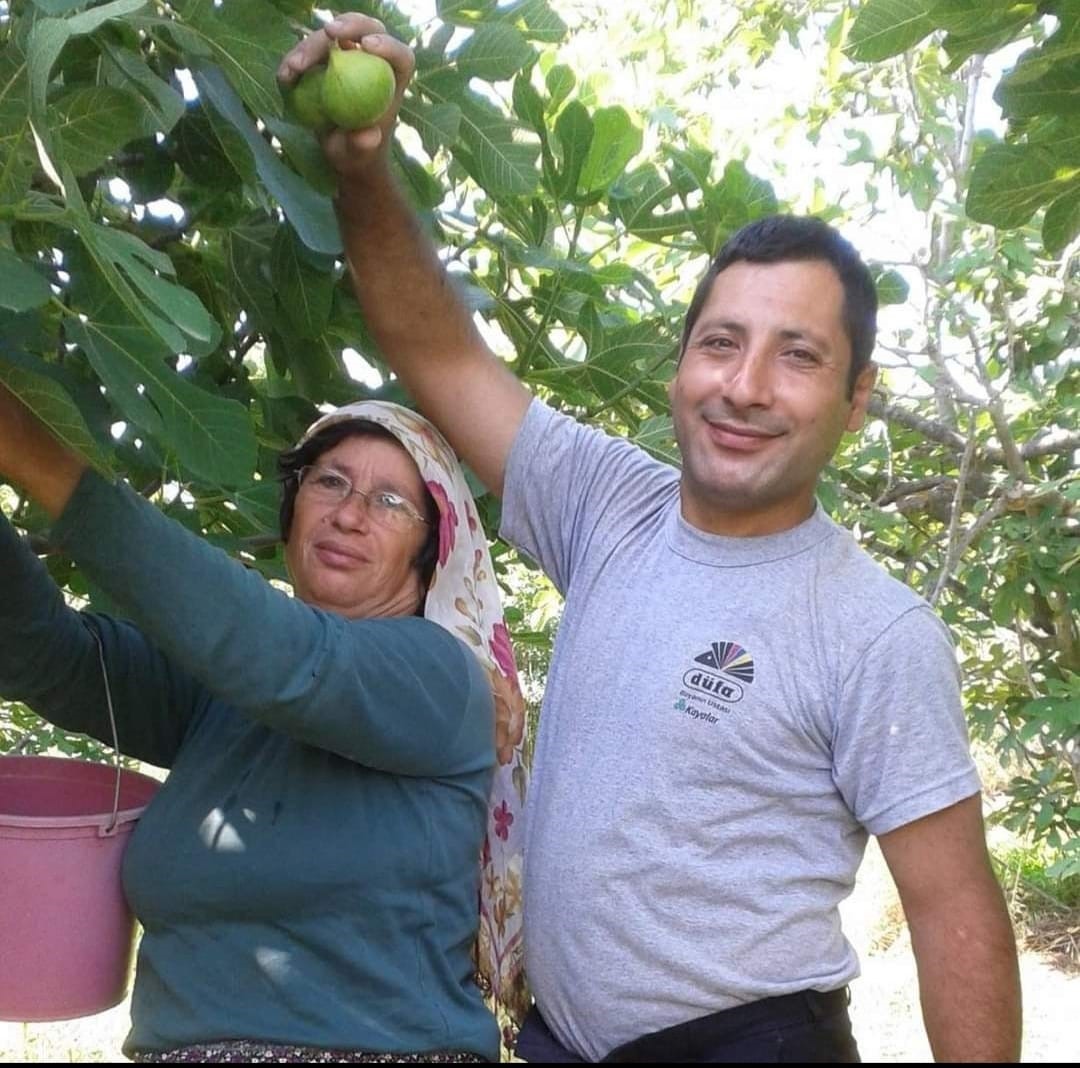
(738,694)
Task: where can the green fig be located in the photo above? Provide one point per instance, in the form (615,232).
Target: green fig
(304,100)
(358,88)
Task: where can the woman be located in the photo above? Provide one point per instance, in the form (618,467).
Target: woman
(306,878)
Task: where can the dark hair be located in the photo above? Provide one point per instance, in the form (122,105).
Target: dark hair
(290,463)
(783,238)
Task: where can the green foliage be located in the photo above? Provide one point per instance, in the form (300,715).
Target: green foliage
(1039,166)
(175,305)
(22,733)
(1028,866)
(984,488)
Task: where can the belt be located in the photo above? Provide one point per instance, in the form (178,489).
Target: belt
(687,1041)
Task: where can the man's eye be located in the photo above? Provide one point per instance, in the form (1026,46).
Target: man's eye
(330,482)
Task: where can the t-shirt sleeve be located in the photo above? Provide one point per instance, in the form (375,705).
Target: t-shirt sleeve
(568,484)
(399,695)
(900,745)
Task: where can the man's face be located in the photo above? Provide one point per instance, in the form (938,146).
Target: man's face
(760,398)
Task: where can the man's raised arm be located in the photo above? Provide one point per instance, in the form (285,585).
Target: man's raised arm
(410,305)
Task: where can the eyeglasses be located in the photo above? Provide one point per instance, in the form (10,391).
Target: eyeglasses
(385,507)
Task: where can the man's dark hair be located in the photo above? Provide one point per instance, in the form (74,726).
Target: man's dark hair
(786,238)
(291,462)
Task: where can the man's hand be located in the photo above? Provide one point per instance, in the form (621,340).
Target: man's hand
(353,154)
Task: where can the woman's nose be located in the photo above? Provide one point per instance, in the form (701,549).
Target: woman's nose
(351,513)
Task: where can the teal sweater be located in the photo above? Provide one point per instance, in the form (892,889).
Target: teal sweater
(309,872)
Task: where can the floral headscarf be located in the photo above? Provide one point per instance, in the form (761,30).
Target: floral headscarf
(464,598)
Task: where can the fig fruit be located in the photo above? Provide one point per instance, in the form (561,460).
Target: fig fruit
(304,100)
(357,89)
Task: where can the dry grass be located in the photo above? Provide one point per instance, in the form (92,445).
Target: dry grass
(1057,938)
(1047,926)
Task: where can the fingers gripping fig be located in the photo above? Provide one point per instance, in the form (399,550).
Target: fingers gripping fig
(353,91)
(346,81)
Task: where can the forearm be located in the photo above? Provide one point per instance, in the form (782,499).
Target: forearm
(969,981)
(222,624)
(408,300)
(423,327)
(40,637)
(413,311)
(50,660)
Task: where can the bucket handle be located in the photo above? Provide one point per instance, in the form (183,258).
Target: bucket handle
(110,830)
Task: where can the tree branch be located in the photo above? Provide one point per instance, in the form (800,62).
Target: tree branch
(906,489)
(1013,460)
(952,545)
(938,432)
(995,511)
(629,387)
(1052,445)
(524,361)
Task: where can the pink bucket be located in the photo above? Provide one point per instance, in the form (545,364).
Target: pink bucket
(66,933)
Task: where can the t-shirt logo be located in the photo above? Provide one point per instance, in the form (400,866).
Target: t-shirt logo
(731,666)
(717,681)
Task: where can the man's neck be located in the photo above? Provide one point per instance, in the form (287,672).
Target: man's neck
(728,522)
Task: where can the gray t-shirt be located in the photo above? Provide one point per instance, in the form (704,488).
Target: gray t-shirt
(725,720)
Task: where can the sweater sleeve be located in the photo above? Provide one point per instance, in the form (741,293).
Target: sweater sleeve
(49,660)
(401,695)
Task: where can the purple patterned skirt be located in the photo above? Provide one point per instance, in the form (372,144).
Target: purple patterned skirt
(249,1052)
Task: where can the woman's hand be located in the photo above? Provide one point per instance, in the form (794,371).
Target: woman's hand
(353,153)
(509,728)
(33,459)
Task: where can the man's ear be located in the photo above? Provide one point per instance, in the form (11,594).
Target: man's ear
(671,384)
(860,397)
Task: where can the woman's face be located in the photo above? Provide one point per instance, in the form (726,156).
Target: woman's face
(339,557)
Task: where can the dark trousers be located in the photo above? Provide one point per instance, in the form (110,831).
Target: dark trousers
(807,1027)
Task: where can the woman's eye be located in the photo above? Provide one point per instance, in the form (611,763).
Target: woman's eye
(330,482)
(391,501)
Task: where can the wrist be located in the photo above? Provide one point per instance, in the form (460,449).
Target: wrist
(358,192)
